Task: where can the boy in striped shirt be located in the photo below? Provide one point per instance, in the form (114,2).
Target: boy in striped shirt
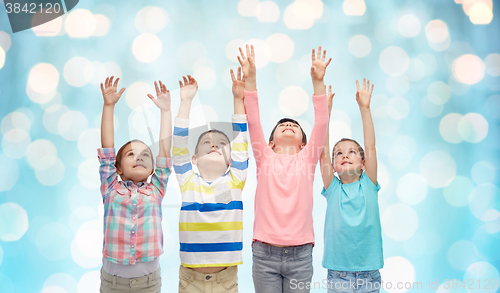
(211,216)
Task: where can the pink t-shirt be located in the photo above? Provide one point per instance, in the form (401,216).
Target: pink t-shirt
(284,195)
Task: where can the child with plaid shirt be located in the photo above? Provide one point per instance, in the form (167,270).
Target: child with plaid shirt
(133,237)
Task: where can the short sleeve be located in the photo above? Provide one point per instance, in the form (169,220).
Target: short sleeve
(328,192)
(366,180)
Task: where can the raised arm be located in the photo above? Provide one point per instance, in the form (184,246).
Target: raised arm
(318,68)
(163,103)
(259,143)
(110,97)
(238,93)
(363,97)
(325,160)
(181,159)
(239,149)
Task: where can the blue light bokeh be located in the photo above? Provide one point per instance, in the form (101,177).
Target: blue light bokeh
(438,163)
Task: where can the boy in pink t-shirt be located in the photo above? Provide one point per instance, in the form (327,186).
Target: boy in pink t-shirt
(283,228)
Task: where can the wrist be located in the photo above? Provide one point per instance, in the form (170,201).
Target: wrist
(109,106)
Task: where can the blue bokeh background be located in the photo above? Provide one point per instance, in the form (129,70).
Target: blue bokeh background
(436,110)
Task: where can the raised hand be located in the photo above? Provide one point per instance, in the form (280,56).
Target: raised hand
(318,67)
(189,88)
(238,85)
(163,97)
(363,96)
(329,98)
(109,93)
(248,62)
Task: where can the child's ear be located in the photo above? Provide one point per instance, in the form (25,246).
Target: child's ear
(363,166)
(271,145)
(119,171)
(194,160)
(302,146)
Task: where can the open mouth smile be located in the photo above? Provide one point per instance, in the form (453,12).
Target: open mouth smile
(288,129)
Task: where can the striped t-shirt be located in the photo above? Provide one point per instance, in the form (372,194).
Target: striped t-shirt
(211,216)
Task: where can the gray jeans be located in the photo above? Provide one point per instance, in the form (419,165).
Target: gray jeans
(281,269)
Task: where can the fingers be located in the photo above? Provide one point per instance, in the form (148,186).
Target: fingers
(364,83)
(180,83)
(164,88)
(239,60)
(239,73)
(111,80)
(121,92)
(232,76)
(368,84)
(242,55)
(329,90)
(324,56)
(185,80)
(253,51)
(371,91)
(151,97)
(116,82)
(192,81)
(357,85)
(319,53)
(106,82)
(248,50)
(313,56)
(157,89)
(329,60)
(102,88)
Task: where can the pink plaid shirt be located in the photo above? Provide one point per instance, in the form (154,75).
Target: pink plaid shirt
(132,213)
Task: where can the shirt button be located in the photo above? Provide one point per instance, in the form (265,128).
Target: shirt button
(133,282)
(208,277)
(286,250)
(133,232)
(133,218)
(135,204)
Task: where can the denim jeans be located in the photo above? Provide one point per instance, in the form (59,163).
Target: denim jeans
(359,282)
(281,269)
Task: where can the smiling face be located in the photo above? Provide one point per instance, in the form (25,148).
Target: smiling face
(213,149)
(348,158)
(136,163)
(287,133)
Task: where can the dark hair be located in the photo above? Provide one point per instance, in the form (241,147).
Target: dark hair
(304,137)
(209,131)
(120,151)
(361,151)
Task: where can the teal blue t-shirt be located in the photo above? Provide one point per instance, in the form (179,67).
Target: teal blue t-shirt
(353,235)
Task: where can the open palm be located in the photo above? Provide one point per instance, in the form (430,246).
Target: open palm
(109,91)
(238,84)
(318,67)
(189,88)
(163,97)
(247,62)
(363,96)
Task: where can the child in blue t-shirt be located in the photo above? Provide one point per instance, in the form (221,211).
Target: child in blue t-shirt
(353,239)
